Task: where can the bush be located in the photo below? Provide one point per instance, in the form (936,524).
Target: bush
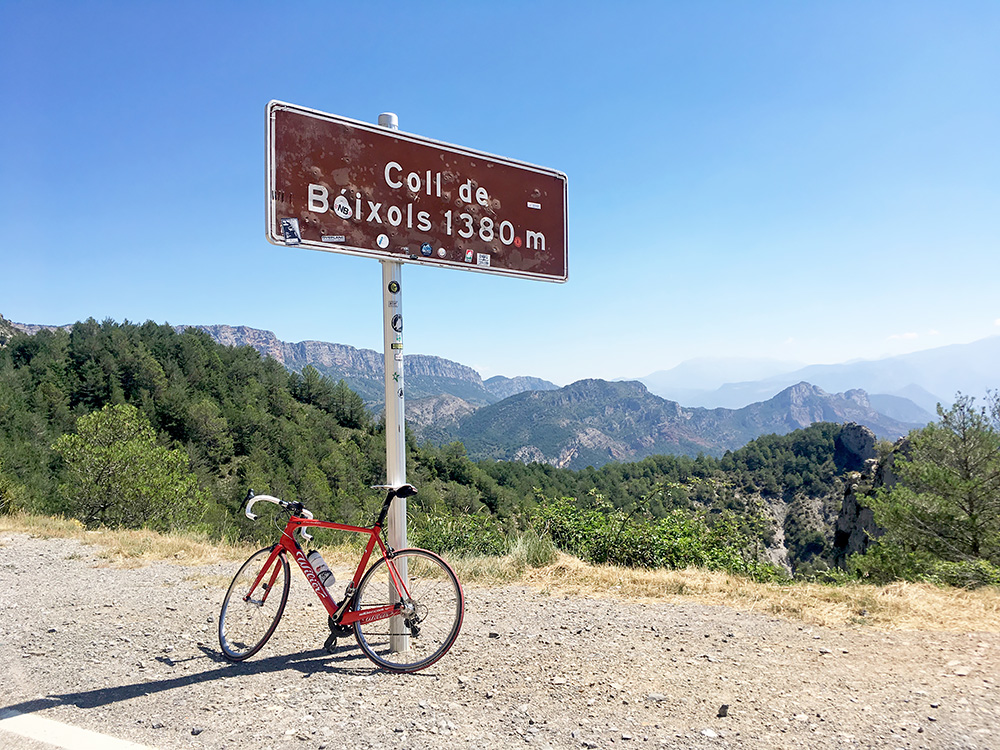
(475,535)
(681,539)
(118,475)
(12,495)
(885,563)
(968,574)
(529,550)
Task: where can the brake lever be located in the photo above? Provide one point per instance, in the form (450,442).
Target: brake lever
(305,534)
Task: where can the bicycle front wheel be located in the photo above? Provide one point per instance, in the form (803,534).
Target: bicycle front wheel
(250,613)
(431,616)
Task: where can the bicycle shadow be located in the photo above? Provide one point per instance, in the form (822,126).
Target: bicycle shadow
(309,663)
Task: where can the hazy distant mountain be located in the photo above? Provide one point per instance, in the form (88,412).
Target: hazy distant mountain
(925,378)
(593,422)
(903,409)
(709,373)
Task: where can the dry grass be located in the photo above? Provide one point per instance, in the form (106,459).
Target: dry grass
(898,606)
(45,527)
(130,548)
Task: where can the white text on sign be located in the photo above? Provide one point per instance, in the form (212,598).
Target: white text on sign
(462,224)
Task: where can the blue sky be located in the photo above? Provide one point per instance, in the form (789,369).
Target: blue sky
(805,181)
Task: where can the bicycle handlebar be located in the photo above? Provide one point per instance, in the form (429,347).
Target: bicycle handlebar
(296,508)
(402,491)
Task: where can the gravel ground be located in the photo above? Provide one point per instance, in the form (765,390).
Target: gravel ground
(134,654)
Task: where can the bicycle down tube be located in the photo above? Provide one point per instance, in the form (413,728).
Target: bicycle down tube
(336,610)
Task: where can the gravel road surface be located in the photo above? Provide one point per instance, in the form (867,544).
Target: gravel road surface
(133,653)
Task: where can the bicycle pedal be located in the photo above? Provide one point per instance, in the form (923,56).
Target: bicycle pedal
(331,644)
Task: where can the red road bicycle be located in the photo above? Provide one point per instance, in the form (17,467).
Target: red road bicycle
(405,610)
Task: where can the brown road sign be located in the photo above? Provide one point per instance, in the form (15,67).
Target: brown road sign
(345,186)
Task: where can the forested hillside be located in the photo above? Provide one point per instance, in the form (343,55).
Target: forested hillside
(241,419)
(144,425)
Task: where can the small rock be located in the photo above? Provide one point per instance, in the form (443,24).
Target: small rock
(197,730)
(723,711)
(708,733)
(494,634)
(656,697)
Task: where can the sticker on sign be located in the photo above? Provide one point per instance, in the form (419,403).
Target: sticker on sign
(381,192)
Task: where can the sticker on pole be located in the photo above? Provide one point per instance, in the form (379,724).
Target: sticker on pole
(388,193)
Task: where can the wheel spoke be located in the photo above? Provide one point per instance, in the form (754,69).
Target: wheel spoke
(431,617)
(249,617)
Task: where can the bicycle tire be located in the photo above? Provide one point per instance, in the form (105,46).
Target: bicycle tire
(245,622)
(438,607)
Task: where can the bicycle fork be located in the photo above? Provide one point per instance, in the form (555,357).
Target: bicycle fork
(275,564)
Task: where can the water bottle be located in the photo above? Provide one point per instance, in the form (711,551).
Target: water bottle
(323,571)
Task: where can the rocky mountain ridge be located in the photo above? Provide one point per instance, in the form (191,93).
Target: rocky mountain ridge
(426,375)
(592,422)
(7,330)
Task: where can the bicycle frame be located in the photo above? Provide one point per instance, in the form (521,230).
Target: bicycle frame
(338,612)
(404,617)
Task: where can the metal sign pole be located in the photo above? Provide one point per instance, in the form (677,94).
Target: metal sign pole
(345,186)
(395,420)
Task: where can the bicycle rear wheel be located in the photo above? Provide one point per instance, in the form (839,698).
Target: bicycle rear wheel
(431,617)
(250,615)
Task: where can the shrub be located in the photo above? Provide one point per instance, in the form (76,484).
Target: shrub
(530,550)
(681,539)
(884,563)
(471,534)
(119,476)
(12,495)
(967,574)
